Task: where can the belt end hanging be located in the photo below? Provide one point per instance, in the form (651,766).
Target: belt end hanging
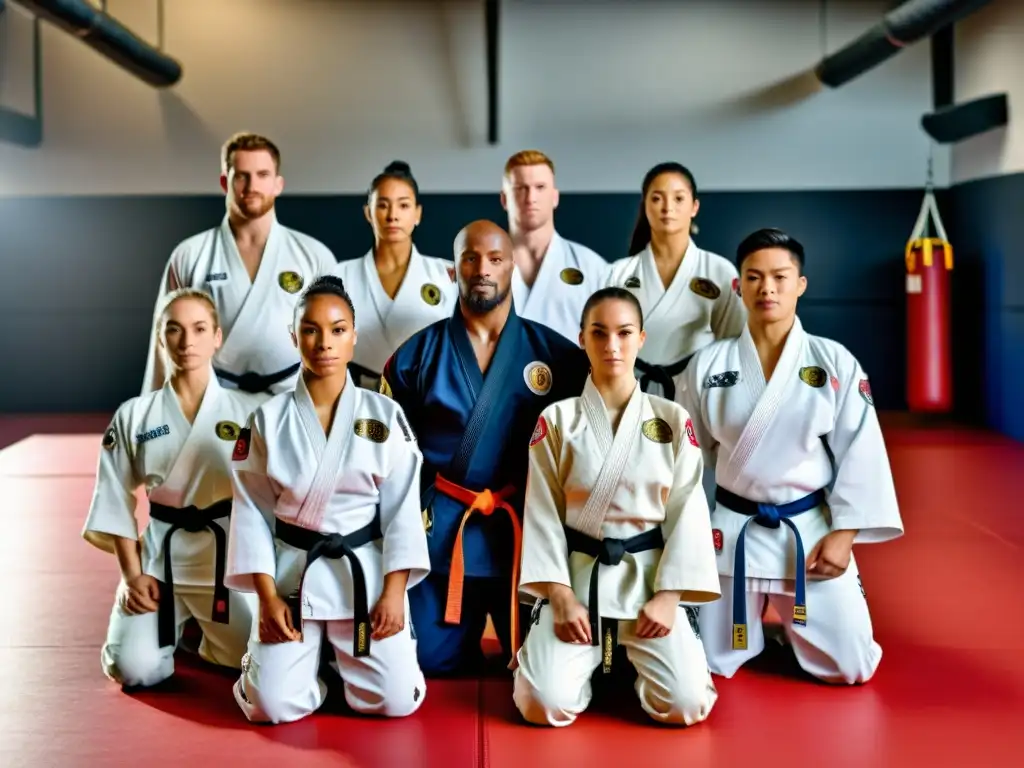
(739,637)
(800,615)
(608,645)
(362,640)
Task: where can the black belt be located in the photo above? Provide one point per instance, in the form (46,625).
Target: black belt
(335,546)
(360,371)
(255,382)
(193,520)
(661,374)
(608,552)
(770,516)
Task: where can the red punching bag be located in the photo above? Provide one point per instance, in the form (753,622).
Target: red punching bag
(929,262)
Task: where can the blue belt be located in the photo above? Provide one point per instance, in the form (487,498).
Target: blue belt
(770,516)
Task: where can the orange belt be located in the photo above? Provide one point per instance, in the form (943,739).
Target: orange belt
(485,503)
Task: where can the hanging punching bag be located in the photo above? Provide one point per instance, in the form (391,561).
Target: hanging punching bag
(929,261)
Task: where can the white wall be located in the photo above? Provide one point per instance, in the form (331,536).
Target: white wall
(608,88)
(990,59)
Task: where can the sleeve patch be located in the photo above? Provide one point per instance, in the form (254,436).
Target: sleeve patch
(110,439)
(865,391)
(717,539)
(241,452)
(539,432)
(690,434)
(835,383)
(736,286)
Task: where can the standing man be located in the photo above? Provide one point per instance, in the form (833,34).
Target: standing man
(253,267)
(473,386)
(553,277)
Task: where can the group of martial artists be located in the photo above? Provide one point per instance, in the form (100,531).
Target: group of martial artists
(351,465)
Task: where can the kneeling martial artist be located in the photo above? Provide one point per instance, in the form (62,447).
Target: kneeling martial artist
(177,442)
(327,524)
(616,538)
(802,475)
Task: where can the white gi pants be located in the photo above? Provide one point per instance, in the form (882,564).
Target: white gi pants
(280,681)
(836,646)
(552,683)
(132,655)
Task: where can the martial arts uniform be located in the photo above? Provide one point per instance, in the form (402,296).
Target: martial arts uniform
(186,469)
(328,517)
(428,293)
(569,273)
(797,457)
(474,429)
(258,354)
(615,537)
(701,304)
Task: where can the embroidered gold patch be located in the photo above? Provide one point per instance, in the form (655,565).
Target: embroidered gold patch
(571,276)
(110,439)
(813,376)
(385,388)
(371,429)
(431,294)
(538,378)
(704,287)
(290,281)
(657,430)
(228,430)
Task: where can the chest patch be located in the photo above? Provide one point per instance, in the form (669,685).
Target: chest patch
(724,379)
(152,434)
(371,429)
(431,294)
(657,430)
(705,288)
(410,436)
(538,377)
(571,276)
(215,276)
(228,430)
(632,282)
(290,281)
(813,376)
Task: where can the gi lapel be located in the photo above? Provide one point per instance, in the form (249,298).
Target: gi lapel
(768,396)
(485,389)
(241,338)
(662,302)
(616,452)
(328,450)
(382,303)
(180,475)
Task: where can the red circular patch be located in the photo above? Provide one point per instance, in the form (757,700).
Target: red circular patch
(691,434)
(539,432)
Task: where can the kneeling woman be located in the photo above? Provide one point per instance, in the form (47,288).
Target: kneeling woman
(177,441)
(616,538)
(326,524)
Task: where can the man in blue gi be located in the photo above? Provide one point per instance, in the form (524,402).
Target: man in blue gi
(473,387)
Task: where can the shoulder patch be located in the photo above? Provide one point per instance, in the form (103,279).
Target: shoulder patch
(539,432)
(290,281)
(736,286)
(385,388)
(632,282)
(241,452)
(704,287)
(725,379)
(538,377)
(371,429)
(834,382)
(410,436)
(228,430)
(864,388)
(813,376)
(109,439)
(657,430)
(431,294)
(571,276)
(451,273)
(690,434)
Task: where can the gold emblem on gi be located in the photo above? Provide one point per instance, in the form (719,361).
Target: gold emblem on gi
(228,430)
(290,281)
(657,430)
(431,294)
(571,276)
(538,378)
(372,429)
(813,376)
(704,287)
